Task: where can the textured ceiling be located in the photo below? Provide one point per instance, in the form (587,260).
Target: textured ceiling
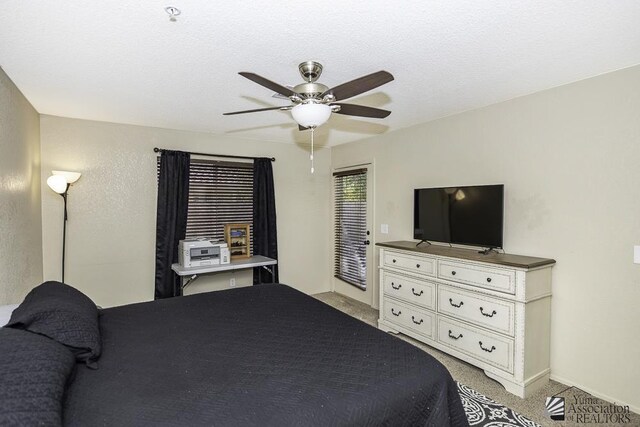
(126,62)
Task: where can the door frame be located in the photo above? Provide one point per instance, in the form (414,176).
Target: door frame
(370,295)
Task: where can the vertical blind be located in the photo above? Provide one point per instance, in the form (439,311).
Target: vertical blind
(350,227)
(220,192)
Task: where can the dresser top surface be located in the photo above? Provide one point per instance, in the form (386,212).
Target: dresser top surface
(518,261)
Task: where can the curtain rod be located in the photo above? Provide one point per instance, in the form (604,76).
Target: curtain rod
(228,156)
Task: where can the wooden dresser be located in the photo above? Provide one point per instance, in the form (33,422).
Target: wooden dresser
(492,311)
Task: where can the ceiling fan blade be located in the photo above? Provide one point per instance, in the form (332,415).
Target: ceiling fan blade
(359,85)
(362,111)
(256,110)
(282,90)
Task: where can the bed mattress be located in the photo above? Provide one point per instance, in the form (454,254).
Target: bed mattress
(265,355)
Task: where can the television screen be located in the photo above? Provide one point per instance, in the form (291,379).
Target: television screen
(464,215)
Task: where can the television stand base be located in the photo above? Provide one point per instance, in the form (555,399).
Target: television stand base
(488,251)
(423,241)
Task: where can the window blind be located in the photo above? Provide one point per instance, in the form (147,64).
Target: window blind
(220,192)
(350,227)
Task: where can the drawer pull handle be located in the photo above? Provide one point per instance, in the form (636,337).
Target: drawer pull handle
(413,291)
(454,304)
(394,313)
(487,314)
(493,347)
(417,265)
(393,286)
(453,336)
(453,273)
(394,261)
(488,279)
(417,323)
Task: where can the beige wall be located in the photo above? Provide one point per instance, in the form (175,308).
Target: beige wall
(20,220)
(570,161)
(112,208)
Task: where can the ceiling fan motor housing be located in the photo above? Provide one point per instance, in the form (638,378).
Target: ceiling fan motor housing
(310,71)
(310,90)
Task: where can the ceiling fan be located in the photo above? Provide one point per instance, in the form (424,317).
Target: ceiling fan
(312,103)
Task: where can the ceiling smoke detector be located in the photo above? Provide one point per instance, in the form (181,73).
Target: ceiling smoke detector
(173,13)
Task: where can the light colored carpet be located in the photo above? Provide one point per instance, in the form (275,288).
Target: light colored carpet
(532,407)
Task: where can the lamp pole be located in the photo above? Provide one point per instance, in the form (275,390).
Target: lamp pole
(60,182)
(64,228)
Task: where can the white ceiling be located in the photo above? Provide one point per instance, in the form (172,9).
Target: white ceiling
(125,62)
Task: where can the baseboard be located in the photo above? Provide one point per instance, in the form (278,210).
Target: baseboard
(595,393)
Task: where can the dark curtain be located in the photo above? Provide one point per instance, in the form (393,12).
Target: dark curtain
(171,219)
(265,235)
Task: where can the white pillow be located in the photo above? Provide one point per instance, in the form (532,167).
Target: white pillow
(5,313)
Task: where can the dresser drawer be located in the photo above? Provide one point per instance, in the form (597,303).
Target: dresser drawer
(481,345)
(489,278)
(420,265)
(477,308)
(418,292)
(420,321)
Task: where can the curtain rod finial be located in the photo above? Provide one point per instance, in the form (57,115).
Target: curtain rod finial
(156,150)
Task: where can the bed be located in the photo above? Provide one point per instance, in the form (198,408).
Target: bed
(265,355)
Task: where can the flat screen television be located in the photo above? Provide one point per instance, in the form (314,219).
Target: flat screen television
(471,215)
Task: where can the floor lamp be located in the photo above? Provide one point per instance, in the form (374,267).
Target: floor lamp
(60,182)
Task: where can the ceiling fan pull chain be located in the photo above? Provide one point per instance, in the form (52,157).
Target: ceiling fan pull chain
(311,156)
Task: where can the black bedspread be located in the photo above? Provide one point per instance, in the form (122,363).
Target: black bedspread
(260,356)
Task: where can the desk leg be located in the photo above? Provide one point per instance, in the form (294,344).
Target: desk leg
(188,282)
(270,270)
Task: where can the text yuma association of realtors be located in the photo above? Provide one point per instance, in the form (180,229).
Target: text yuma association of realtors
(592,410)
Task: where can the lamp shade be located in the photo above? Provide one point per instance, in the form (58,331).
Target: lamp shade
(71,177)
(311,115)
(57,183)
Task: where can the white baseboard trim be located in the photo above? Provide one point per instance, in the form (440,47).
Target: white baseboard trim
(595,393)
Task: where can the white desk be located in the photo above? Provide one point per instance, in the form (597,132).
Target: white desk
(239,264)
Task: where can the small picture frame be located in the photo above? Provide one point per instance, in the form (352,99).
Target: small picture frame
(238,237)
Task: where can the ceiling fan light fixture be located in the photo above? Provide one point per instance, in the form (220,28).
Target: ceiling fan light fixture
(311,115)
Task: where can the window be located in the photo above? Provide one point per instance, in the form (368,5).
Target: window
(220,192)
(350,227)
